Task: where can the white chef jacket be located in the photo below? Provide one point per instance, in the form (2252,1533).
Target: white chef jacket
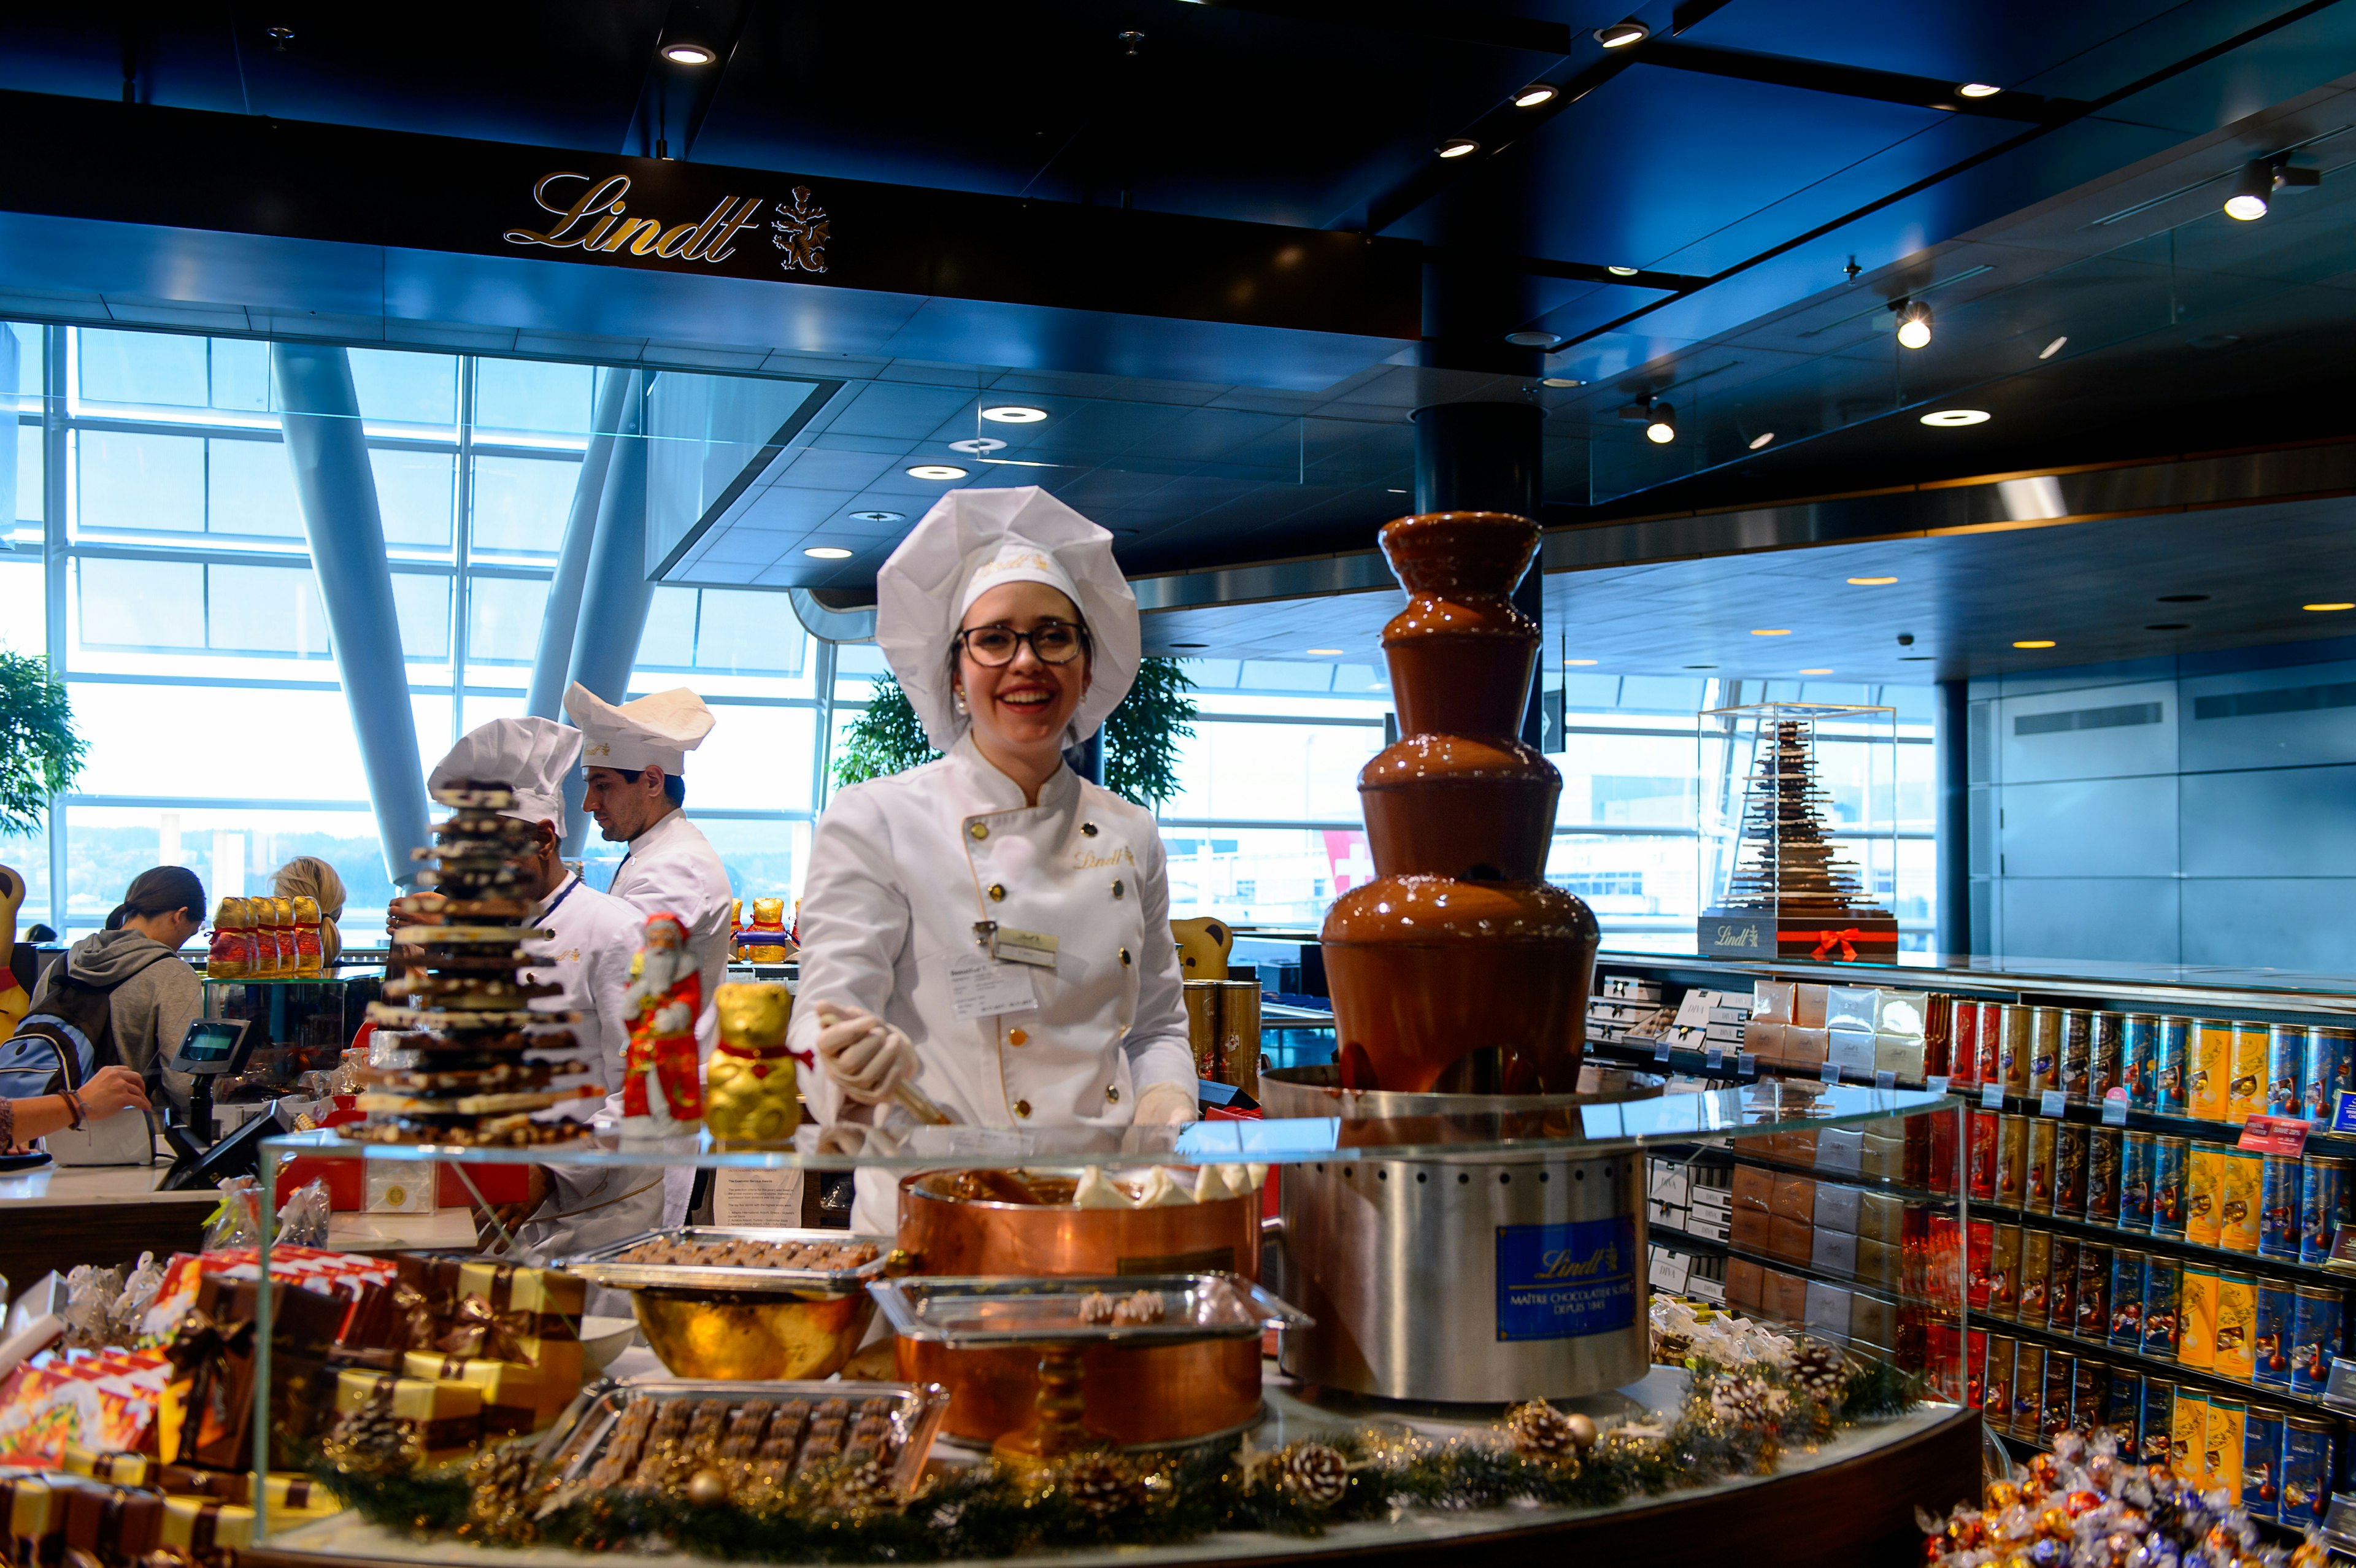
(672,866)
(900,871)
(595,936)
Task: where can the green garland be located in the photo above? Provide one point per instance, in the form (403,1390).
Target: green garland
(1734,1422)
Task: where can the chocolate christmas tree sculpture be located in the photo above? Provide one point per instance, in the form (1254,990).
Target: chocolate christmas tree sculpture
(1790,895)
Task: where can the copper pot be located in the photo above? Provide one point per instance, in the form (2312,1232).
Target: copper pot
(1171,1394)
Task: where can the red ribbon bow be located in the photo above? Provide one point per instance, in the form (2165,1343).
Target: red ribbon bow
(1847,940)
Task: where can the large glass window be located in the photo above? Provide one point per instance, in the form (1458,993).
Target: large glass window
(197,649)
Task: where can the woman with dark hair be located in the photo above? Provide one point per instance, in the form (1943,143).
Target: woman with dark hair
(152,995)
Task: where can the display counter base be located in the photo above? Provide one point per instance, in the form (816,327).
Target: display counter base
(1850,1502)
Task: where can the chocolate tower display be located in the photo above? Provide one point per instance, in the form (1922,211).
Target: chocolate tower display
(1459,968)
(1789,895)
(474,1061)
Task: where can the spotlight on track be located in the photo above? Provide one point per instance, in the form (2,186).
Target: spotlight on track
(1914,324)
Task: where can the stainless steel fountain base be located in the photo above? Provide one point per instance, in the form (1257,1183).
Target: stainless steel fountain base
(1471,1279)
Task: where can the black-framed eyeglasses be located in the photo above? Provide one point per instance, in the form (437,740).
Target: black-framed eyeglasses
(1054,642)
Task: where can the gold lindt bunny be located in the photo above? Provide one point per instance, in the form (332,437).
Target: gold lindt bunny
(750,1094)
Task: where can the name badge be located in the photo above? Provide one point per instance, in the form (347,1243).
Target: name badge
(981,990)
(1009,945)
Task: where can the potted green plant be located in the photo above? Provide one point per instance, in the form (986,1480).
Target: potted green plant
(40,755)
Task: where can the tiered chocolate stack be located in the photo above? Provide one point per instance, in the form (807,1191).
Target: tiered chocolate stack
(1789,895)
(476,1062)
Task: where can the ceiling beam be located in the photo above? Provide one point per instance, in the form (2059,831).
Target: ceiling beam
(1851,81)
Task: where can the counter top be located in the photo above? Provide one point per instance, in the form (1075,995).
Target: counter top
(51,1186)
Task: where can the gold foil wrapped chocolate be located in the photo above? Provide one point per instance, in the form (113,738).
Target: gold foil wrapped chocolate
(750,1097)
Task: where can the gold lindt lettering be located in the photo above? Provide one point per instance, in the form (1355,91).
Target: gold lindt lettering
(720,250)
(672,239)
(693,250)
(630,229)
(604,195)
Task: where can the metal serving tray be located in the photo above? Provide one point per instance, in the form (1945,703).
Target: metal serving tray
(602,1267)
(966,1313)
(571,1448)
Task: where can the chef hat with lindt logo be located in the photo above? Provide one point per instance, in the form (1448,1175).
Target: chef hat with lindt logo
(529,756)
(656,731)
(977,539)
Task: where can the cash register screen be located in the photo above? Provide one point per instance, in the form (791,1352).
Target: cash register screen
(210,1046)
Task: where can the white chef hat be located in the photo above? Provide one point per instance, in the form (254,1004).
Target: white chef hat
(656,731)
(974,540)
(529,756)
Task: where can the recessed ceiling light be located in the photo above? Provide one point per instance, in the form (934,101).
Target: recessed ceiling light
(2051,349)
(1535,93)
(935,470)
(977,445)
(1560,381)
(2252,187)
(1772,631)
(1015,413)
(1623,272)
(2327,606)
(1947,418)
(1459,147)
(1816,672)
(1872,582)
(827,552)
(1532,339)
(1619,35)
(1397,491)
(1761,438)
(1324,653)
(687,54)
(2034,643)
(881,516)
(1914,324)
(1579,661)
(1977,90)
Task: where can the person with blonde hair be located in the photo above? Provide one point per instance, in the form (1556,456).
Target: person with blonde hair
(308,876)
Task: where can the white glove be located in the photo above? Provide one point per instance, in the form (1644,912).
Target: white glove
(866,1057)
(1167,1105)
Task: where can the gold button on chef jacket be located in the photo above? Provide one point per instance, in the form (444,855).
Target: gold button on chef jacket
(897,877)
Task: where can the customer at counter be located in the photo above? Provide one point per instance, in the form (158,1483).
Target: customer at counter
(1014,634)
(109,1090)
(308,876)
(152,995)
(594,937)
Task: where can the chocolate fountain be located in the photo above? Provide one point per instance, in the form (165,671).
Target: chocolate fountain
(1459,981)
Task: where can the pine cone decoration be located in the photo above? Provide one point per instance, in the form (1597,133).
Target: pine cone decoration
(1102,1485)
(1539,1430)
(1742,1401)
(1821,1372)
(870,1486)
(497,1483)
(1315,1474)
(372,1442)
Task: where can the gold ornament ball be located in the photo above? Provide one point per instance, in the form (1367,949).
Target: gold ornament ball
(706,1488)
(1581,1429)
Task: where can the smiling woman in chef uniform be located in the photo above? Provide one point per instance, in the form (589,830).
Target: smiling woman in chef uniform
(990,927)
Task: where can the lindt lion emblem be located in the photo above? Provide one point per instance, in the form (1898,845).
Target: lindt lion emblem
(801,231)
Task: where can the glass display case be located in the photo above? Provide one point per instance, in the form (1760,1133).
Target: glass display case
(299,1025)
(1520,1245)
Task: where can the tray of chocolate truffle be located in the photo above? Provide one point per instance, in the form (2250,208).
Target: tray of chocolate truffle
(713,1441)
(761,1261)
(477,1060)
(1112,1309)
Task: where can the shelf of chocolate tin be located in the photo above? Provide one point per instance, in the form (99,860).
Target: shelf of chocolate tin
(2155,1366)
(1667,1235)
(1729,1069)
(2109,1235)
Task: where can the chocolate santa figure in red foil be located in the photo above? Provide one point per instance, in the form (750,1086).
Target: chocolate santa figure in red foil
(662,1091)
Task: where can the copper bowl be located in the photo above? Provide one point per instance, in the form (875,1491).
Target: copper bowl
(1168,1394)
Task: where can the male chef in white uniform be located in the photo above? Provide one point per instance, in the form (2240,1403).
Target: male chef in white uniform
(594,937)
(633,760)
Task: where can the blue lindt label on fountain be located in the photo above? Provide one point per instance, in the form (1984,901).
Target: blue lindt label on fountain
(1559,1282)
